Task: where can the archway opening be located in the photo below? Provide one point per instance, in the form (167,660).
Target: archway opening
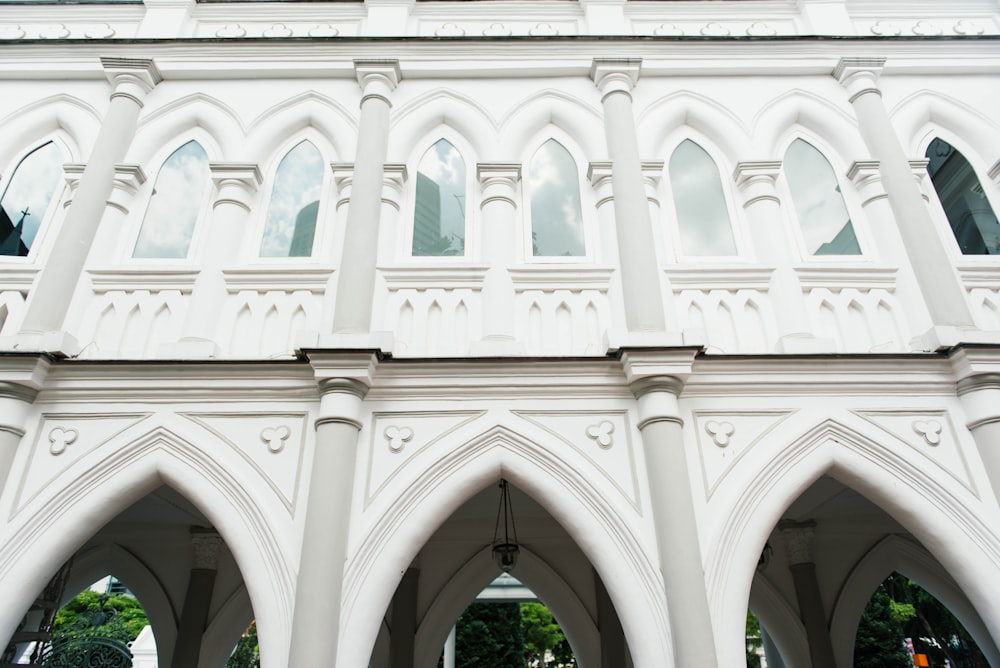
(166,553)
(455,567)
(828,552)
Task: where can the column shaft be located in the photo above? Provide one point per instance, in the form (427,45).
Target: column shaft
(980,396)
(198,600)
(640,273)
(53,291)
(449,650)
(404,621)
(356,282)
(942,291)
(316,620)
(798,543)
(676,529)
(499,207)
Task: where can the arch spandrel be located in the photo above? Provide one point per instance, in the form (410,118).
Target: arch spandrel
(309,112)
(527,121)
(418,121)
(924,114)
(74,122)
(785,117)
(217,126)
(945,517)
(460,468)
(110,478)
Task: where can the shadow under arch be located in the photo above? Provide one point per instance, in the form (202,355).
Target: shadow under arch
(778,120)
(954,533)
(476,574)
(781,623)
(92,564)
(632,580)
(414,122)
(110,478)
(896,554)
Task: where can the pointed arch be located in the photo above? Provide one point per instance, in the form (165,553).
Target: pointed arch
(781,622)
(925,114)
(676,115)
(28,197)
(798,112)
(581,123)
(823,219)
(552,184)
(897,554)
(225,628)
(290,225)
(441,200)
(216,126)
(466,467)
(111,477)
(476,574)
(443,112)
(960,192)
(64,118)
(310,114)
(703,212)
(944,519)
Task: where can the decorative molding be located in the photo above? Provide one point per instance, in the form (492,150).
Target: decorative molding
(720,432)
(560,277)
(719,277)
(433,276)
(397,437)
(601,433)
(847,277)
(615,75)
(929,429)
(60,438)
(289,279)
(275,437)
(133,280)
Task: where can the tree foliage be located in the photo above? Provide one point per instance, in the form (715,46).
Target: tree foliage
(247,652)
(108,615)
(879,642)
(489,635)
(754,640)
(544,639)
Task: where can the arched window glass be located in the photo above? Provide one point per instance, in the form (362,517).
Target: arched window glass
(970,215)
(439,214)
(826,225)
(27,198)
(178,197)
(702,215)
(291,216)
(556,215)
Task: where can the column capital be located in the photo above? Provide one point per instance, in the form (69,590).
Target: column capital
(340,365)
(641,365)
(615,75)
(206,544)
(236,182)
(72,173)
(394,176)
(859,75)
(377,78)
(131,77)
(499,182)
(756,180)
(865,176)
(798,540)
(128,179)
(343,177)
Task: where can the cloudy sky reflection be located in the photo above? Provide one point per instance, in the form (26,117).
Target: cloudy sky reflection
(702,216)
(31,187)
(826,225)
(178,198)
(556,215)
(439,220)
(297,188)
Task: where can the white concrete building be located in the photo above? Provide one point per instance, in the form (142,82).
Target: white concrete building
(288,287)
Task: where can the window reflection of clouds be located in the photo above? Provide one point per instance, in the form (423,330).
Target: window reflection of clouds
(826,225)
(556,214)
(439,214)
(702,215)
(291,216)
(31,187)
(178,196)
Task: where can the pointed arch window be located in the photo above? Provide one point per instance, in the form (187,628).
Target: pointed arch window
(177,200)
(439,209)
(972,219)
(702,215)
(290,227)
(556,213)
(27,198)
(823,218)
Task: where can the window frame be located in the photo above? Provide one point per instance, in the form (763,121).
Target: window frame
(52,216)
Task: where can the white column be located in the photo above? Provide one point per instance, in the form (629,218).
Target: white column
(978,373)
(343,382)
(198,600)
(499,226)
(131,80)
(20,380)
(449,650)
(755,181)
(798,542)
(640,274)
(108,242)
(942,291)
(356,277)
(868,181)
(599,174)
(235,185)
(672,501)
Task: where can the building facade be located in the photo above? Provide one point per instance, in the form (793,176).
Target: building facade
(287,288)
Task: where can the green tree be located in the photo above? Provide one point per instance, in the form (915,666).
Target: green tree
(879,642)
(754,640)
(247,652)
(108,615)
(543,638)
(489,635)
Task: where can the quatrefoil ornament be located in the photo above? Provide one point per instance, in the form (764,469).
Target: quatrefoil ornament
(720,432)
(59,438)
(275,437)
(398,437)
(601,433)
(929,429)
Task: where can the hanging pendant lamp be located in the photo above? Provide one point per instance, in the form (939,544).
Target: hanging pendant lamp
(505,550)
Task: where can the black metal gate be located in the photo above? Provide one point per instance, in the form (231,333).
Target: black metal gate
(87,652)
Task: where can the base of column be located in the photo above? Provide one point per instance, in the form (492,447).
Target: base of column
(61,344)
(804,344)
(616,339)
(943,338)
(497,346)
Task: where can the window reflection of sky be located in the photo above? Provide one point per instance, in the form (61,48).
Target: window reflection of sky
(439,226)
(31,187)
(297,188)
(823,218)
(178,198)
(556,214)
(702,215)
